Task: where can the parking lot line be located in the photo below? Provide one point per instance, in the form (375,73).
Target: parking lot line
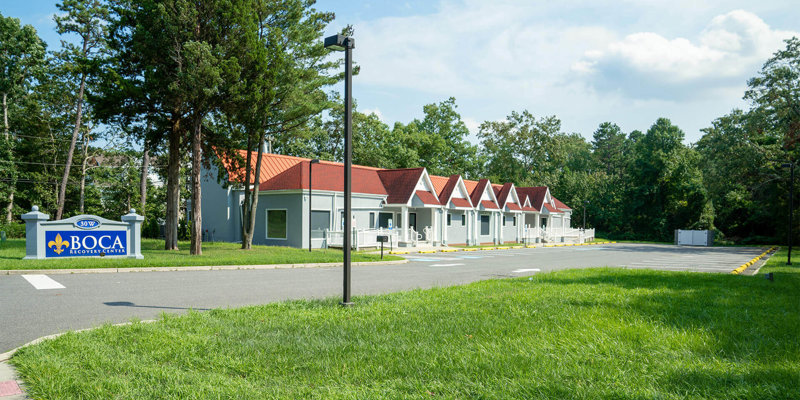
(42,282)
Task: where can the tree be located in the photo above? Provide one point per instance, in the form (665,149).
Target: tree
(86,18)
(775,94)
(519,148)
(283,73)
(21,58)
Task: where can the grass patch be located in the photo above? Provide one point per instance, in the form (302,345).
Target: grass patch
(216,253)
(586,334)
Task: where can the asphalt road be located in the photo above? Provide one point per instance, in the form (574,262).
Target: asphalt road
(85,300)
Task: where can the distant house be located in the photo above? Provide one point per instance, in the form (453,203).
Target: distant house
(411,206)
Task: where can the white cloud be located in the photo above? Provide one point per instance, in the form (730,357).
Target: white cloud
(648,65)
(376,112)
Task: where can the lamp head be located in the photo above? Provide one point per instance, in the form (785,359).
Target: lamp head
(786,165)
(315,161)
(339,42)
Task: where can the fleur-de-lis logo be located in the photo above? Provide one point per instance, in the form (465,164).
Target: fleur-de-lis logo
(58,243)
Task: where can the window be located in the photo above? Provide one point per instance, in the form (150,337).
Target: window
(385,220)
(504,220)
(276,224)
(449,220)
(320,220)
(463,219)
(485,225)
(371,220)
(514,220)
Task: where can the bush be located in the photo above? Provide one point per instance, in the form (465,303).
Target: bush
(13,231)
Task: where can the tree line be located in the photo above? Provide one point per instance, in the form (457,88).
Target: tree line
(149,88)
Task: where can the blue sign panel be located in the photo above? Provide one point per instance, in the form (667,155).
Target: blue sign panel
(85,243)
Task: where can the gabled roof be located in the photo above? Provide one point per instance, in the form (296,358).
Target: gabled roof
(325,176)
(550,208)
(400,183)
(482,186)
(439,183)
(502,194)
(560,205)
(536,195)
(489,204)
(446,194)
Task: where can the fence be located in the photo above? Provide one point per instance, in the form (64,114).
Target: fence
(362,238)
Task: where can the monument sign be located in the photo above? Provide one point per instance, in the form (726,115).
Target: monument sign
(82,236)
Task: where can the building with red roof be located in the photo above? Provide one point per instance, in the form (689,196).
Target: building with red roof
(408,205)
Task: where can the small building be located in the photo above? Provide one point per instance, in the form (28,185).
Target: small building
(409,205)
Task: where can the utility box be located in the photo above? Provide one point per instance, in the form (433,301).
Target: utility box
(694,238)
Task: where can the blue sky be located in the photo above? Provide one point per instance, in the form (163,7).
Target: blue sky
(585,61)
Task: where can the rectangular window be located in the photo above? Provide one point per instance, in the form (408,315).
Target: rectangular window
(385,220)
(504,220)
(485,225)
(320,221)
(276,224)
(514,221)
(371,220)
(448,219)
(463,219)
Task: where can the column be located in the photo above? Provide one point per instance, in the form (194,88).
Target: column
(34,241)
(444,225)
(406,225)
(134,222)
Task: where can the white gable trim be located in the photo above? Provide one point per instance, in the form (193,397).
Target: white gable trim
(425,184)
(462,189)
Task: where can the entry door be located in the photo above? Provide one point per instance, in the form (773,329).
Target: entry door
(412,221)
(544,223)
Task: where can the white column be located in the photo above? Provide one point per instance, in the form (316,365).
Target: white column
(444,225)
(404,221)
(502,227)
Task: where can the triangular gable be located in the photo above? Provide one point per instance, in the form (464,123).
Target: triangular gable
(401,184)
(483,192)
(455,191)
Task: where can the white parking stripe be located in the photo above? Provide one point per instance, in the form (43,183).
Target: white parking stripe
(519,271)
(444,265)
(42,282)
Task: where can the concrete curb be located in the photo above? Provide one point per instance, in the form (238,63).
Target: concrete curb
(765,255)
(195,268)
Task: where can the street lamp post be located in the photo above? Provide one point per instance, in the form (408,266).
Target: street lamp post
(346,44)
(310,165)
(790,165)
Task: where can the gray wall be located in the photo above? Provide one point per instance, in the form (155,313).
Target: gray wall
(485,238)
(221,210)
(509,230)
(456,234)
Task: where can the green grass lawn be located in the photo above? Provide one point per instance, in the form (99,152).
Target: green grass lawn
(217,253)
(584,334)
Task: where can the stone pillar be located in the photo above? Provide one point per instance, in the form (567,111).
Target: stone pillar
(134,222)
(33,235)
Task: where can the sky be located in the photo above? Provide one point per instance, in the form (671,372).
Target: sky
(584,61)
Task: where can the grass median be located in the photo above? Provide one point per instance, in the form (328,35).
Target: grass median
(597,333)
(215,253)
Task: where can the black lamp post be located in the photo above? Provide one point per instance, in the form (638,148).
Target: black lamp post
(310,164)
(585,203)
(790,165)
(346,44)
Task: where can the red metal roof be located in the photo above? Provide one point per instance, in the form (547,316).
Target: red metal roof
(400,183)
(459,202)
(489,204)
(326,176)
(427,197)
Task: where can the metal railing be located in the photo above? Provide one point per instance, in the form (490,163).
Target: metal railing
(362,237)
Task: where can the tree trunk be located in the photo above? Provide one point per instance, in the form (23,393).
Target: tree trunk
(83,170)
(247,240)
(197,217)
(62,191)
(5,114)
(12,186)
(173,187)
(143,181)
(256,184)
